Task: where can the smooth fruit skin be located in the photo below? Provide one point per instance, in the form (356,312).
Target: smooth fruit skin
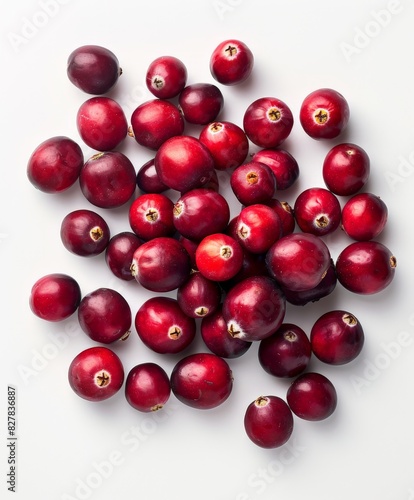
(166,77)
(253,183)
(199,297)
(55,297)
(147,387)
(231,62)
(148,180)
(119,254)
(285,213)
(283,165)
(364,216)
(200,103)
(151,216)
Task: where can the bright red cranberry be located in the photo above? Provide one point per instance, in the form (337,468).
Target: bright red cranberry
(366,267)
(199,297)
(55,297)
(161,264)
(268,422)
(119,254)
(96,374)
(105,316)
(298,261)
(147,387)
(337,337)
(84,233)
(286,353)
(93,69)
(283,165)
(346,169)
(203,381)
(200,103)
(268,122)
(101,123)
(155,121)
(324,114)
(166,77)
(285,213)
(252,183)
(163,326)
(148,180)
(364,216)
(55,164)
(151,216)
(231,62)
(317,211)
(312,396)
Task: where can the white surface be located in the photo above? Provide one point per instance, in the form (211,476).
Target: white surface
(69,448)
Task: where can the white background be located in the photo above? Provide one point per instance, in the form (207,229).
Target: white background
(69,448)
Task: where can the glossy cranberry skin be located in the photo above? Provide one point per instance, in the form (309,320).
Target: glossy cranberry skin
(191,247)
(108,180)
(253,265)
(286,353)
(298,261)
(324,114)
(147,387)
(119,254)
(268,422)
(317,211)
(202,381)
(55,297)
(252,183)
(337,337)
(93,69)
(346,169)
(166,77)
(268,122)
(365,267)
(85,233)
(155,121)
(148,180)
(231,62)
(283,165)
(364,216)
(285,213)
(96,374)
(312,397)
(199,297)
(151,216)
(200,103)
(55,164)
(101,123)
(105,316)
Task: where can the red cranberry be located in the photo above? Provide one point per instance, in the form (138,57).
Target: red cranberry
(93,69)
(253,265)
(337,337)
(148,180)
(324,114)
(151,216)
(147,387)
(203,381)
(191,247)
(346,169)
(285,213)
(55,164)
(55,297)
(252,183)
(364,216)
(200,103)
(283,165)
(268,122)
(166,77)
(268,422)
(119,254)
(84,233)
(199,297)
(96,374)
(312,396)
(105,316)
(101,123)
(366,267)
(231,62)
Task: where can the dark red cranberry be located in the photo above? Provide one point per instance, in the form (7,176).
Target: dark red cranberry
(200,103)
(203,381)
(337,337)
(231,62)
(84,233)
(96,374)
(163,326)
(119,254)
(199,297)
(285,213)
(286,353)
(55,164)
(166,77)
(93,69)
(148,180)
(147,387)
(364,216)
(191,247)
(253,265)
(55,297)
(252,183)
(283,165)
(268,422)
(365,267)
(151,216)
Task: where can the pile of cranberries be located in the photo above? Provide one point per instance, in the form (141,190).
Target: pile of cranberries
(233,277)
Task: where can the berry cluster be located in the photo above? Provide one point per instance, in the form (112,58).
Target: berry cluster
(233,277)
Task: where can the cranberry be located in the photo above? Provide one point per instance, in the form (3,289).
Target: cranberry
(364,216)
(163,326)
(268,122)
(286,353)
(202,380)
(105,316)
(84,233)
(346,169)
(231,62)
(324,114)
(252,183)
(253,265)
(96,374)
(93,69)
(200,103)
(101,123)
(283,165)
(119,254)
(312,396)
(55,164)
(268,422)
(148,180)
(55,297)
(147,387)
(199,297)
(151,216)
(337,337)
(285,213)
(155,121)
(191,247)
(166,77)
(366,267)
